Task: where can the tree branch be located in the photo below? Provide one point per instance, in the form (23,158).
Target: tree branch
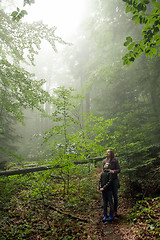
(67,214)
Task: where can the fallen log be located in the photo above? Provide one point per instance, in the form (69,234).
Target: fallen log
(24,170)
(67,214)
(89,160)
(46,167)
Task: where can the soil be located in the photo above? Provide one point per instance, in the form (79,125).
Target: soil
(118,229)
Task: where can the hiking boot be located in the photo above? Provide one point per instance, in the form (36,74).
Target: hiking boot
(105,216)
(111,217)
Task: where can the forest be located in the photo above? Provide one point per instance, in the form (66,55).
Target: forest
(63,102)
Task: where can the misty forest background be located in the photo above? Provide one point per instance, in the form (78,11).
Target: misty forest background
(63,104)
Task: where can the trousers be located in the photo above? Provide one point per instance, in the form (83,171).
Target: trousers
(115,187)
(107,199)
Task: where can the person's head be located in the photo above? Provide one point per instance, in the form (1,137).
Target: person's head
(106,165)
(110,154)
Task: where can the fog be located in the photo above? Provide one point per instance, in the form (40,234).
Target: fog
(65,15)
(90,62)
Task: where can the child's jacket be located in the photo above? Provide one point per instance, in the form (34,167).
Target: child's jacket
(106,180)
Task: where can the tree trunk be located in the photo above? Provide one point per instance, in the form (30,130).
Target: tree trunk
(43,168)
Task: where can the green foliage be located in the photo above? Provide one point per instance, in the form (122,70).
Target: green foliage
(63,116)
(68,140)
(17,15)
(150,32)
(128,95)
(126,99)
(28,2)
(64,121)
(129,133)
(27,202)
(144,216)
(129,40)
(141,172)
(91,140)
(19,89)
(22,41)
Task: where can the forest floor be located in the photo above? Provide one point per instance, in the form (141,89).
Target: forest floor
(32,214)
(122,228)
(118,229)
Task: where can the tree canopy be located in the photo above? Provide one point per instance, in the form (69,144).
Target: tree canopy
(19,42)
(146,13)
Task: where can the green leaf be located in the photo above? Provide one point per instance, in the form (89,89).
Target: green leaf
(125,61)
(128,9)
(156,30)
(136,18)
(131,46)
(24,12)
(16,16)
(126,44)
(129,39)
(154,50)
(155,11)
(158,41)
(156,4)
(147,50)
(140,7)
(132,59)
(15,13)
(28,2)
(146,1)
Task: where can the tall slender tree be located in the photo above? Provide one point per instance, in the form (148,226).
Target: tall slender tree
(19,42)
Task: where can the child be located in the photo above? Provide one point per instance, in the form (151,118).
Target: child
(105,186)
(115,170)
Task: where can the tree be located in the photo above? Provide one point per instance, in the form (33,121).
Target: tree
(147,13)
(129,94)
(64,123)
(63,118)
(19,88)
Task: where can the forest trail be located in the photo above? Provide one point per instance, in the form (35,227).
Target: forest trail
(118,229)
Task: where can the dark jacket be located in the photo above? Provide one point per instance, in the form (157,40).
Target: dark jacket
(106,180)
(113,165)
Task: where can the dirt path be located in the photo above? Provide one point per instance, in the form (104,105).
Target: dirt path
(116,230)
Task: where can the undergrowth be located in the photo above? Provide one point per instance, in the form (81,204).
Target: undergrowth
(34,206)
(145,216)
(38,206)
